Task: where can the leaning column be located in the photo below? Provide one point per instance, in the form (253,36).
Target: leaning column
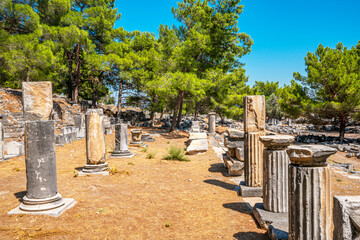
(254,127)
(309,192)
(212,125)
(42,196)
(95,145)
(121,142)
(276,165)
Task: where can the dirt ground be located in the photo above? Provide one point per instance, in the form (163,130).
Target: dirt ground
(142,198)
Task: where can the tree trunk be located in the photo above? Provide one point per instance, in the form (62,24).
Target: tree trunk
(71,77)
(197,107)
(119,100)
(161,115)
(176,110)
(95,95)
(76,81)
(179,114)
(342,127)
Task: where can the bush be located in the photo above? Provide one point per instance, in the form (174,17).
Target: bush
(150,155)
(176,153)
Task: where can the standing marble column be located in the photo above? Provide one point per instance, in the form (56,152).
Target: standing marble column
(42,196)
(121,142)
(212,125)
(309,192)
(95,145)
(276,165)
(254,127)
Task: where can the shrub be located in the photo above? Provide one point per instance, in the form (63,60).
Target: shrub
(150,155)
(176,153)
(144,149)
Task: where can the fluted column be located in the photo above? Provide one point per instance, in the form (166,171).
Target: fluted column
(253,154)
(1,140)
(309,192)
(276,162)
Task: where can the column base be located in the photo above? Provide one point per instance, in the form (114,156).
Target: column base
(96,169)
(245,191)
(127,154)
(276,224)
(55,212)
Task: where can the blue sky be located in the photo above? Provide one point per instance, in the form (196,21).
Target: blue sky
(283,31)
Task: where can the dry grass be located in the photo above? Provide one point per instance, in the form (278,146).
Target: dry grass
(141,199)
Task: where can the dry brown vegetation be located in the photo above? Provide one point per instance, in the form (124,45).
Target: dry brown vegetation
(141,199)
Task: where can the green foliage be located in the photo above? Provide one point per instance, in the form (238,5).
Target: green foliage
(150,155)
(265,88)
(330,89)
(273,109)
(176,153)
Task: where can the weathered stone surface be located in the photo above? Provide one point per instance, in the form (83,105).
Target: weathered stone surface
(310,155)
(254,113)
(136,136)
(95,140)
(40,159)
(37,100)
(309,202)
(233,143)
(245,191)
(146,137)
(234,166)
(15,148)
(346,214)
(197,135)
(253,150)
(121,142)
(232,152)
(197,146)
(239,153)
(235,134)
(275,189)
(277,141)
(212,119)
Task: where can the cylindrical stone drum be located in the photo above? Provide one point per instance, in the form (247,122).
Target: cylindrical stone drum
(212,124)
(253,154)
(40,159)
(309,203)
(275,189)
(95,139)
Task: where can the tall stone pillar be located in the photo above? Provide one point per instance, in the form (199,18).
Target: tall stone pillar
(95,145)
(254,127)
(42,196)
(121,142)
(276,165)
(309,192)
(212,123)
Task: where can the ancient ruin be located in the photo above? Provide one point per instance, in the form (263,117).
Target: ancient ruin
(212,123)
(121,142)
(95,145)
(309,192)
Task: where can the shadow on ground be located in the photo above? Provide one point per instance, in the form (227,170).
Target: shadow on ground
(242,207)
(219,167)
(222,184)
(249,236)
(20,195)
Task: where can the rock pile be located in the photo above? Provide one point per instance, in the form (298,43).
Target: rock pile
(234,157)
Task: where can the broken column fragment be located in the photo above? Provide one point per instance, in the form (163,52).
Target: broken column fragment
(309,192)
(254,127)
(37,100)
(121,142)
(95,145)
(276,165)
(212,124)
(42,196)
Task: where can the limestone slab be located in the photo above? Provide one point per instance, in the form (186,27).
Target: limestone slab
(234,166)
(245,191)
(235,133)
(197,135)
(310,155)
(197,146)
(37,100)
(233,143)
